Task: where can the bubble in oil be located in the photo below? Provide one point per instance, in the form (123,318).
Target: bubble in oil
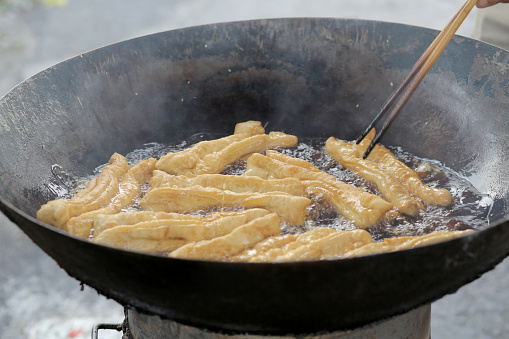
(148,151)
(63,178)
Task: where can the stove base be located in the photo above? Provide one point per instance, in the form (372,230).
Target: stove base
(414,324)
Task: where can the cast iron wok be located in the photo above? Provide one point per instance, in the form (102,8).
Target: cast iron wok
(309,77)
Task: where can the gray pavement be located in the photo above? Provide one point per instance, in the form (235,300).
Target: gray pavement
(37,299)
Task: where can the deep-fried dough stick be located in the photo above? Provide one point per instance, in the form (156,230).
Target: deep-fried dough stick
(432,238)
(265,245)
(250,127)
(292,209)
(402,243)
(129,190)
(234,183)
(333,191)
(123,241)
(332,245)
(390,187)
(58,212)
(297,162)
(223,223)
(408,177)
(162,229)
(216,162)
(363,208)
(271,248)
(185,161)
(371,211)
(228,245)
(128,236)
(90,186)
(103,222)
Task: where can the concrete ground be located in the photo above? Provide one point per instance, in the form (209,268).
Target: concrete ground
(38,299)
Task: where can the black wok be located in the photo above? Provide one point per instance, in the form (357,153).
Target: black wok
(309,77)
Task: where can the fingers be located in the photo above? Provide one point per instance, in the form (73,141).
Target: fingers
(488,3)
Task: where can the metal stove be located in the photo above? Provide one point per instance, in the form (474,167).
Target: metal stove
(415,324)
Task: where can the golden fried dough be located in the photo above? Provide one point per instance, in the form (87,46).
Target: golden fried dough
(234,183)
(58,212)
(124,241)
(90,186)
(159,233)
(432,238)
(296,162)
(216,162)
(321,243)
(129,190)
(222,223)
(292,209)
(388,245)
(390,187)
(372,210)
(331,246)
(233,243)
(185,161)
(214,156)
(402,243)
(103,222)
(274,189)
(408,177)
(274,247)
(163,230)
(250,127)
(359,206)
(265,245)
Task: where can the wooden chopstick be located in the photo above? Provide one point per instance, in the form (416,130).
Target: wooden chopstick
(414,77)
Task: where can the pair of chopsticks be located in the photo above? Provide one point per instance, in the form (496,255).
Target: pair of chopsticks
(409,84)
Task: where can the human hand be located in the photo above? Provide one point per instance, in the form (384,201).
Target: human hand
(488,3)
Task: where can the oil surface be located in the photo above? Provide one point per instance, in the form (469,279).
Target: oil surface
(469,211)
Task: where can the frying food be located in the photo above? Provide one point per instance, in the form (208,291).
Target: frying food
(363,208)
(390,187)
(96,195)
(292,209)
(103,222)
(408,177)
(238,240)
(370,212)
(216,162)
(404,243)
(325,243)
(213,156)
(129,190)
(188,205)
(234,183)
(162,234)
(321,243)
